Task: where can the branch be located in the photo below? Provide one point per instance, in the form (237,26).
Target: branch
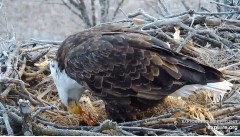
(185,5)
(191,12)
(142,12)
(72,10)
(93,12)
(37,57)
(6,120)
(228,67)
(12,56)
(158,23)
(164,7)
(227,6)
(41,109)
(147,129)
(104,10)
(26,117)
(61,132)
(140,122)
(4,79)
(226,111)
(43,42)
(117,9)
(190,35)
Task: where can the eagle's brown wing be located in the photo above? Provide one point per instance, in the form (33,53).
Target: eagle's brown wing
(127,67)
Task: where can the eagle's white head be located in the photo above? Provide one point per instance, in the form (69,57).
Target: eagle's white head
(68,89)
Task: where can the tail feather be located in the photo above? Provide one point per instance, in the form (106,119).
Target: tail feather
(217,89)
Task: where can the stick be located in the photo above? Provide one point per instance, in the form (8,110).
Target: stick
(26,117)
(147,129)
(140,122)
(164,7)
(61,132)
(229,67)
(41,109)
(37,57)
(225,5)
(12,56)
(36,48)
(46,123)
(117,9)
(225,111)
(142,12)
(158,23)
(183,43)
(6,120)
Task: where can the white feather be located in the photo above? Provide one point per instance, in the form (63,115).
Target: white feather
(217,89)
(66,86)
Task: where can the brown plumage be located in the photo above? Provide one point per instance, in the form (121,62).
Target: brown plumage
(128,69)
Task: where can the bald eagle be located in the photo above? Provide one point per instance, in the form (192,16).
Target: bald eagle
(128,69)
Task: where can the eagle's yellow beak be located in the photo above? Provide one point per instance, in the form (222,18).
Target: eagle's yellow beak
(74,107)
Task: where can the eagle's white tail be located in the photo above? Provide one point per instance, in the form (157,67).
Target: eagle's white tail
(217,89)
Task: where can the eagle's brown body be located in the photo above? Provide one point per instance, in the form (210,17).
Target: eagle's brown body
(128,69)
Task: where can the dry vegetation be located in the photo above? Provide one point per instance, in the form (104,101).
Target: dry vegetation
(30,104)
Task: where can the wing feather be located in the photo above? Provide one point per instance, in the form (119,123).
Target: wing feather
(122,62)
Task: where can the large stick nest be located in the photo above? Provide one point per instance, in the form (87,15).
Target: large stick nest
(210,38)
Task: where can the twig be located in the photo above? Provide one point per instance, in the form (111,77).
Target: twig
(225,43)
(158,23)
(118,21)
(93,12)
(41,109)
(61,132)
(193,127)
(37,57)
(234,133)
(164,7)
(142,12)
(160,121)
(72,10)
(186,6)
(126,133)
(229,67)
(21,70)
(147,129)
(140,122)
(210,40)
(43,42)
(191,12)
(229,28)
(12,56)
(225,5)
(190,35)
(6,120)
(26,117)
(117,9)
(5,93)
(8,89)
(104,10)
(36,48)
(107,124)
(225,111)
(46,123)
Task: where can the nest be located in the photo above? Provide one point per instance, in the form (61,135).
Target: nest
(29,98)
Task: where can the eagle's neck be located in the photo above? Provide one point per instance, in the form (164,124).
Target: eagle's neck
(68,89)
